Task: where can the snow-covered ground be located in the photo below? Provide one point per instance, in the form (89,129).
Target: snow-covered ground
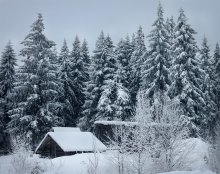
(81,164)
(190,172)
(84,163)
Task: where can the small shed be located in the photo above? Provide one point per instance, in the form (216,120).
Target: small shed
(56,144)
(104,130)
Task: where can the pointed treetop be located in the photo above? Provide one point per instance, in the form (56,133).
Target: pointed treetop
(38,25)
(160,11)
(8,51)
(76,43)
(217,50)
(139,40)
(205,46)
(85,54)
(36,43)
(100,40)
(85,43)
(127,38)
(64,53)
(216,55)
(8,46)
(76,48)
(182,17)
(109,42)
(84,47)
(64,47)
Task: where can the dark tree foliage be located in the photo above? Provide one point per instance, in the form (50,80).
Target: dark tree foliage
(7,79)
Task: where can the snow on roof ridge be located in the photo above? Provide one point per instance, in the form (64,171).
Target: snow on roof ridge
(116,122)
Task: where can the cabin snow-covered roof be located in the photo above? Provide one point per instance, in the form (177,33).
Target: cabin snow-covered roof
(118,123)
(66,129)
(75,141)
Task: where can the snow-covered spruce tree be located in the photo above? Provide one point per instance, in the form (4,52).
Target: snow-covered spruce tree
(86,60)
(216,58)
(135,63)
(187,74)
(93,90)
(7,79)
(208,89)
(37,90)
(216,75)
(123,53)
(106,107)
(79,77)
(114,103)
(215,136)
(66,78)
(156,75)
(64,54)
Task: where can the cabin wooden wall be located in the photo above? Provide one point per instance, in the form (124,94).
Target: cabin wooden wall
(51,149)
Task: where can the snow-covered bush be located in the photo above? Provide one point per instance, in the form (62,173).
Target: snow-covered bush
(166,129)
(23,160)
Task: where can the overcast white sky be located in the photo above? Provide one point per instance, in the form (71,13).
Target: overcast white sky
(86,18)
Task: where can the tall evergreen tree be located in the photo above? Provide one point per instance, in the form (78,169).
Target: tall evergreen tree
(187,74)
(216,75)
(106,107)
(156,77)
(64,53)
(7,79)
(66,77)
(93,90)
(100,104)
(37,90)
(124,51)
(80,76)
(86,60)
(208,88)
(114,103)
(136,62)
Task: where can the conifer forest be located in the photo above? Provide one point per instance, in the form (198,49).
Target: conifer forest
(163,78)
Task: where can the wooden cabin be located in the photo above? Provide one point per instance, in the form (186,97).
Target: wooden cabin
(56,144)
